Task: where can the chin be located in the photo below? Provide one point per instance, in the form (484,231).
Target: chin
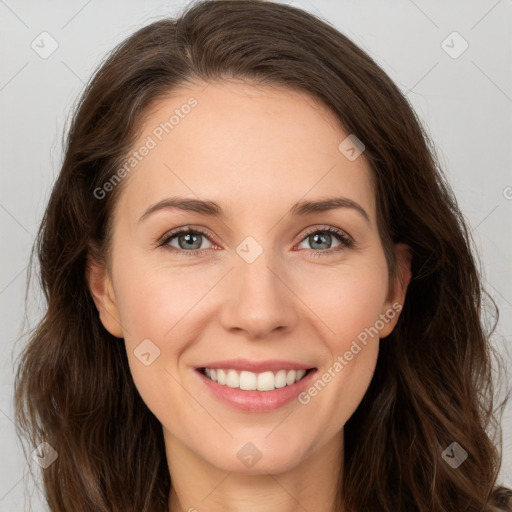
(255,459)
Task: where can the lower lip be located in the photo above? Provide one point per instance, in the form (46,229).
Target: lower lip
(257,401)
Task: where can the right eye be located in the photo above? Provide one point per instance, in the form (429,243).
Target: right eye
(189,241)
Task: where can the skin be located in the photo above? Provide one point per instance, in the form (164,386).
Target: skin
(256,151)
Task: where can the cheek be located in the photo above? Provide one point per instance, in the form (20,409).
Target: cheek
(351,310)
(153,300)
(156,306)
(160,304)
(347,300)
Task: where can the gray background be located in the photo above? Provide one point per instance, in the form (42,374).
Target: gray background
(465,103)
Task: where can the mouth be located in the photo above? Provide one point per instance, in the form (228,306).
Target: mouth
(255,391)
(251,381)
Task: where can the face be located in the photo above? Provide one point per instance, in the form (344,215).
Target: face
(265,286)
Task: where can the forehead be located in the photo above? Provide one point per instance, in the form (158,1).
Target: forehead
(246,147)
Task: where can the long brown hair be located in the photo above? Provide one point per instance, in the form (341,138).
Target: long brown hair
(433,383)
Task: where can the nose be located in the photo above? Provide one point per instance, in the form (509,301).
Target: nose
(259,301)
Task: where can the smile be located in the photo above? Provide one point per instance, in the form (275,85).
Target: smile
(256,391)
(250,381)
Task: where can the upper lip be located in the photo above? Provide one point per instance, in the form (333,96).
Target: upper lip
(272,365)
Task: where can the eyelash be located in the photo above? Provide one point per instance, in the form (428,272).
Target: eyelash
(346,241)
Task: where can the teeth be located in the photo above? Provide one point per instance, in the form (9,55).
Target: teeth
(249,381)
(280,380)
(266,381)
(300,374)
(221,377)
(290,377)
(232,379)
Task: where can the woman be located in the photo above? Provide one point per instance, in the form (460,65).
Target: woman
(199,350)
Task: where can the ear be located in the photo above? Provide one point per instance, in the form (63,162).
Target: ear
(397,290)
(102,291)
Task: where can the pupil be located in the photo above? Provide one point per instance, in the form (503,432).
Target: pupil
(324,236)
(189,237)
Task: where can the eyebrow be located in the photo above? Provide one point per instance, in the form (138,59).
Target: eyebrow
(211,208)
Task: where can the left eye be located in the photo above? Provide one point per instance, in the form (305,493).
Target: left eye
(324,237)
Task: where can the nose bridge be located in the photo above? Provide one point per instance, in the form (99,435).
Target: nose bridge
(259,301)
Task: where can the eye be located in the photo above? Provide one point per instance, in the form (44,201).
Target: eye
(186,240)
(189,242)
(322,239)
